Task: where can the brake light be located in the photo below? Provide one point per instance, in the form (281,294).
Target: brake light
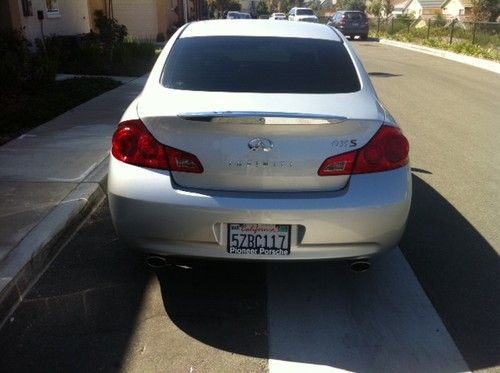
(134,144)
(387,150)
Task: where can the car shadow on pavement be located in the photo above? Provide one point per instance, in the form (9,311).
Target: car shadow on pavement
(460,272)
(222,304)
(81,315)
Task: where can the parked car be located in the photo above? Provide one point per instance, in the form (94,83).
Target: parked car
(278,16)
(233,15)
(244,15)
(296,158)
(302,15)
(351,23)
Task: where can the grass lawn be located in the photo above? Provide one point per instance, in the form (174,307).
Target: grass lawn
(25,109)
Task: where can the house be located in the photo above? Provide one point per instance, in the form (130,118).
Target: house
(460,9)
(144,19)
(423,8)
(401,7)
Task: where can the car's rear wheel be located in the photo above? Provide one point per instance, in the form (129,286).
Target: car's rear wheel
(363,36)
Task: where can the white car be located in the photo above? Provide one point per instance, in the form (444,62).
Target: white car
(302,15)
(262,141)
(278,16)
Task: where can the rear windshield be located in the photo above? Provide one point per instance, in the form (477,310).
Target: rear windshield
(305,12)
(260,64)
(355,16)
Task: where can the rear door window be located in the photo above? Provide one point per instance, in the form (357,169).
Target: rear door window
(260,64)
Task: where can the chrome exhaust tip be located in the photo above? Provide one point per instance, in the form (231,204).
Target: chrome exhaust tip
(156,262)
(360,266)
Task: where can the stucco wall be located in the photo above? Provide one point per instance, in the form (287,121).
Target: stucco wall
(73,18)
(140,17)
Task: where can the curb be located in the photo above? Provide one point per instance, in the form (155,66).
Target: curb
(468,60)
(27,262)
(121,79)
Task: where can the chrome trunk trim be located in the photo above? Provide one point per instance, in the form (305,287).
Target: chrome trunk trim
(251,117)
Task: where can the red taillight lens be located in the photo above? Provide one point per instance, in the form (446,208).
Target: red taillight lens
(134,144)
(387,150)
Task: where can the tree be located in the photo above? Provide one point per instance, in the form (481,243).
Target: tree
(351,5)
(375,8)
(111,33)
(480,10)
(387,7)
(262,8)
(222,5)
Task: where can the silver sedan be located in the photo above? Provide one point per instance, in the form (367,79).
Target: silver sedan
(262,141)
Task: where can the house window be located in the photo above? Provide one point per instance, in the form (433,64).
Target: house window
(52,8)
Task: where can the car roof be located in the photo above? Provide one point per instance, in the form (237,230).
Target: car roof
(260,27)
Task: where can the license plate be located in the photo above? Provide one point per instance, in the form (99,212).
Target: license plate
(258,239)
(355,24)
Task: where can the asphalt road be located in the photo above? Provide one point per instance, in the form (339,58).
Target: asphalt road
(98,308)
(451,115)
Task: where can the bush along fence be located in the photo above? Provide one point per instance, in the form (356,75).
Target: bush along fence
(479,39)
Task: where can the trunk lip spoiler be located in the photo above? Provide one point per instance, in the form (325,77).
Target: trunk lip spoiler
(258,117)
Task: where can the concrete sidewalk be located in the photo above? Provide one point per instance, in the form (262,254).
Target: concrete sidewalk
(50,179)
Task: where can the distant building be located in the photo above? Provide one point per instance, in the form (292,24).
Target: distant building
(460,9)
(423,8)
(144,19)
(401,7)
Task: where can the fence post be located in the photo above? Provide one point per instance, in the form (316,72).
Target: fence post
(474,33)
(428,28)
(451,32)
(378,25)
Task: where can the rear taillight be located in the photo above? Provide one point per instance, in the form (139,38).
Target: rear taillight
(342,21)
(134,144)
(387,150)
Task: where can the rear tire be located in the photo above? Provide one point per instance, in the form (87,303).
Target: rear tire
(363,36)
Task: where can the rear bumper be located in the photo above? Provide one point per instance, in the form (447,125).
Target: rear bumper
(354,30)
(364,219)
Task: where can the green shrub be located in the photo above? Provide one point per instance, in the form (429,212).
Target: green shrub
(43,69)
(14,54)
(22,68)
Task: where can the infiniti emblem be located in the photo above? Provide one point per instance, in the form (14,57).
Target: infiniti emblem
(260,144)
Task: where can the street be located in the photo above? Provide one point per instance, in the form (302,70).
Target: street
(431,305)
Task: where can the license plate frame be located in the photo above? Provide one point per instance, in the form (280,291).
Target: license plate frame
(259,244)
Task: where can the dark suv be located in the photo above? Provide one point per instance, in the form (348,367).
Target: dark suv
(350,23)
